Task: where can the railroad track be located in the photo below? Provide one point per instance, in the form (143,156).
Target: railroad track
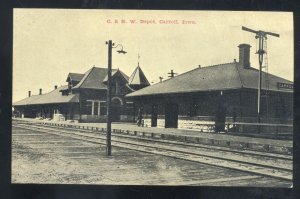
(254,162)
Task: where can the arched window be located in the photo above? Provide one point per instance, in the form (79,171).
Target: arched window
(116,101)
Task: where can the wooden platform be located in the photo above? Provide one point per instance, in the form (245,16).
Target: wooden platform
(228,140)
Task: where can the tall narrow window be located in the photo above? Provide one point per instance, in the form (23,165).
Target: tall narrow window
(103,108)
(87,107)
(92,107)
(117,87)
(96,105)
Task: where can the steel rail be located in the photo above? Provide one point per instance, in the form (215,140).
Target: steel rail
(264,170)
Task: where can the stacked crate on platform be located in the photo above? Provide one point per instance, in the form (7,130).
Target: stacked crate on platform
(58,117)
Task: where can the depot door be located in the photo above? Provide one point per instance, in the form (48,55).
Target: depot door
(171,115)
(154,116)
(116,109)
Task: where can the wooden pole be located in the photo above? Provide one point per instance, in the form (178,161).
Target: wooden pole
(108,101)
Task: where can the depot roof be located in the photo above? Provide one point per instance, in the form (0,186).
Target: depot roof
(217,77)
(95,78)
(53,97)
(75,77)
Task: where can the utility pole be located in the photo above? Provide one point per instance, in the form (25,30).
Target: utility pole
(261,35)
(108,100)
(108,96)
(172,74)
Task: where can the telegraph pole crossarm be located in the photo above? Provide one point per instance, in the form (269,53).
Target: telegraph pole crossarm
(172,74)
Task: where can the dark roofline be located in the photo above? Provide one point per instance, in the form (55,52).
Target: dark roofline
(78,89)
(123,74)
(170,79)
(180,92)
(196,69)
(35,98)
(134,72)
(236,66)
(119,71)
(70,74)
(44,103)
(115,72)
(201,91)
(84,78)
(32,96)
(237,70)
(87,74)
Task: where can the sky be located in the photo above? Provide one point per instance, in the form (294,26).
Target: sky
(50,43)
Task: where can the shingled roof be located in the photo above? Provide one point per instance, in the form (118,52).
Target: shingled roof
(115,72)
(217,77)
(75,77)
(93,78)
(27,101)
(138,78)
(53,97)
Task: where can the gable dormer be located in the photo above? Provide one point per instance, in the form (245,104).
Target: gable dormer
(118,82)
(73,79)
(117,75)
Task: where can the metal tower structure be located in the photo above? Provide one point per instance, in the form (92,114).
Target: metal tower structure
(266,78)
(262,37)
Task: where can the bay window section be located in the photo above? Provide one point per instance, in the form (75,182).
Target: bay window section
(94,107)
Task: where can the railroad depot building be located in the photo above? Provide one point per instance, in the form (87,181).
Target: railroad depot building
(182,101)
(84,97)
(204,92)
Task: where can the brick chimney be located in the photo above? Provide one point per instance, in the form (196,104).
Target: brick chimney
(55,87)
(40,91)
(29,93)
(244,55)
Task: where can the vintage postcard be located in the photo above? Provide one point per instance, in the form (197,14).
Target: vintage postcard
(152,97)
